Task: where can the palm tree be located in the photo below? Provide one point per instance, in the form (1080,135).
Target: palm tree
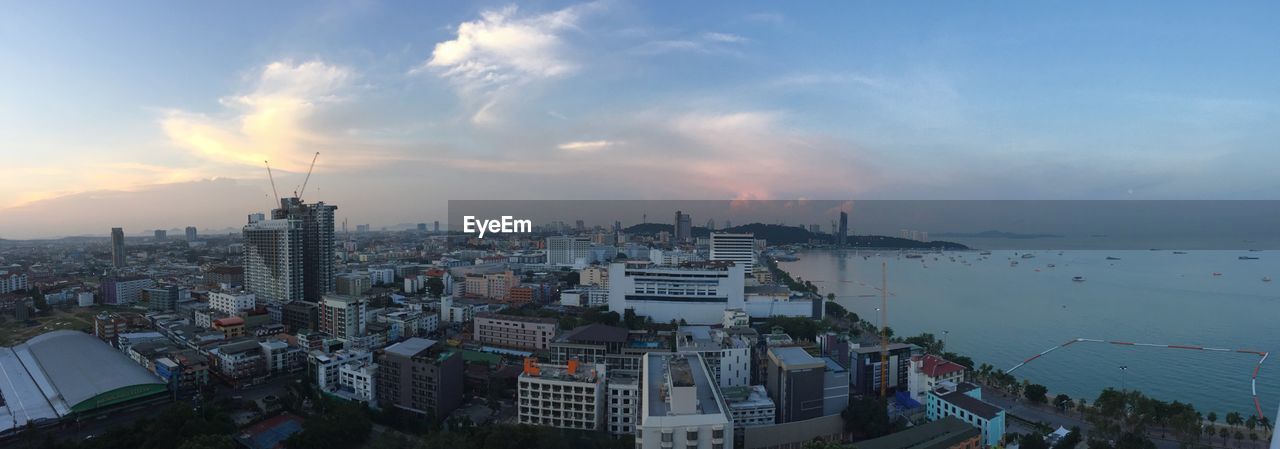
(1213,419)
(1224,433)
(1253,436)
(1234,419)
(1080,405)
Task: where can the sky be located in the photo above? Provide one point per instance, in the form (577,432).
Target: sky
(159,115)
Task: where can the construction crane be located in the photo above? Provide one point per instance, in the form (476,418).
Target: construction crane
(884,329)
(299,192)
(273,182)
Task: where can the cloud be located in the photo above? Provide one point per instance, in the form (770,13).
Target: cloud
(708,42)
(503,49)
(586,146)
(273,121)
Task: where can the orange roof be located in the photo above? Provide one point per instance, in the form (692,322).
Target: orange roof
(228,321)
(934,366)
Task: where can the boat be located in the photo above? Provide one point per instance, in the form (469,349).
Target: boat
(1179,252)
(914,256)
(1248,258)
(1217,273)
(1266,279)
(1051,265)
(985,253)
(1112,258)
(1078,278)
(1028,256)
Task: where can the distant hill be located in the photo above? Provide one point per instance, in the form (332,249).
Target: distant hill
(996,235)
(789,235)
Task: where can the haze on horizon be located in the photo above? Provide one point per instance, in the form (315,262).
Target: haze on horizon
(154,115)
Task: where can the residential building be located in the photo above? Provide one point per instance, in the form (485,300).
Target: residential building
(795,381)
(161,235)
(300,315)
(696,293)
(865,369)
(123,290)
(568,250)
(737,248)
(12,282)
(281,358)
(728,356)
(231,327)
(192,233)
(420,376)
(568,396)
(594,274)
(928,371)
(325,368)
(232,302)
(241,362)
(273,259)
(315,228)
(682,406)
(624,401)
(343,317)
(352,284)
(512,331)
(357,380)
(108,326)
(964,402)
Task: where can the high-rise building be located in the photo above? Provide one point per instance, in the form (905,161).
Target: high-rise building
(436,227)
(273,259)
(162,235)
(803,386)
(422,227)
(117,247)
(683,227)
(842,234)
(317,243)
(420,376)
(191,233)
(737,248)
(567,250)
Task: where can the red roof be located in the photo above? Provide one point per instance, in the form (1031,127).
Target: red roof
(229,321)
(934,366)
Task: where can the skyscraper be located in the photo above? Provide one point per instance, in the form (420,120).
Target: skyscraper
(738,248)
(117,247)
(317,243)
(162,235)
(273,259)
(683,227)
(842,234)
(191,233)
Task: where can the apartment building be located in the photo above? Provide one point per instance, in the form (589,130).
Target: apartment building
(570,396)
(512,331)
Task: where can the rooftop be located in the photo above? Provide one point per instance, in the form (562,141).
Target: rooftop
(411,347)
(934,366)
(941,434)
(595,332)
(959,398)
(686,370)
(518,318)
(792,357)
(876,349)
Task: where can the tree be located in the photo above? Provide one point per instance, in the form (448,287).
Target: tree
(835,310)
(1213,418)
(1224,433)
(1239,438)
(1082,405)
(209,442)
(867,417)
(1036,393)
(1062,401)
(824,444)
(1032,441)
(1234,419)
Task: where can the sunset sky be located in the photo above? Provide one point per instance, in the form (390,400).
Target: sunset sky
(159,115)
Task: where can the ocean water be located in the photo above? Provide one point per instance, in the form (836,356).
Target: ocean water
(1002,314)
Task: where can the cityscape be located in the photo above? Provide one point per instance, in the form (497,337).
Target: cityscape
(370,225)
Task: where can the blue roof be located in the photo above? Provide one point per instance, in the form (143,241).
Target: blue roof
(905,401)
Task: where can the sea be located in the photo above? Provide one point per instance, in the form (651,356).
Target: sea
(1001,313)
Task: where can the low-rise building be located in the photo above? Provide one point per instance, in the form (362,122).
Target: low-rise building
(727,355)
(232,302)
(568,396)
(515,331)
(964,402)
(749,406)
(928,371)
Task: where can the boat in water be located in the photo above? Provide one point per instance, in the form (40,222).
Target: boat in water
(1028,256)
(1179,252)
(1248,258)
(914,256)
(1051,265)
(1112,258)
(985,253)
(1078,279)
(1266,279)
(1217,273)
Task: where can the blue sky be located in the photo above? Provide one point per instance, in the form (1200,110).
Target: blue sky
(415,103)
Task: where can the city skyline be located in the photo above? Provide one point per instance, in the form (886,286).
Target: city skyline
(618,99)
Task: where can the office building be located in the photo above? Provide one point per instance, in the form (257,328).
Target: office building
(682,406)
(737,248)
(805,386)
(964,402)
(117,247)
(683,227)
(273,259)
(232,302)
(696,293)
(568,250)
(533,333)
(865,368)
(343,317)
(192,234)
(420,376)
(728,356)
(570,396)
